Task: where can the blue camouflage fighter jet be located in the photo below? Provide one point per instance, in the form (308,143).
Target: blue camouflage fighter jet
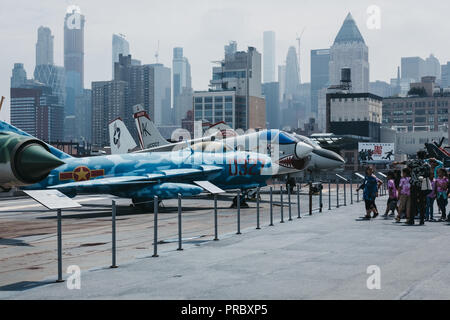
(141,176)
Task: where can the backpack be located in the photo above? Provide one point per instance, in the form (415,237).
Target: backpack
(420,168)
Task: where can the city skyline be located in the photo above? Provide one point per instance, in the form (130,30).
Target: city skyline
(203,40)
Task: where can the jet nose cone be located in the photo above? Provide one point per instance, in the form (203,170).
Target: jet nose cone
(34,162)
(302,150)
(330,155)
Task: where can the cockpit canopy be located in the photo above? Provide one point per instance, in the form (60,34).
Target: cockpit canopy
(283,137)
(308,141)
(211,146)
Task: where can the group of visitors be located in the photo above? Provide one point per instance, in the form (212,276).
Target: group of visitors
(412,191)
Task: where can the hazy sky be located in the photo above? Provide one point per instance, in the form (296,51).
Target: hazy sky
(202,27)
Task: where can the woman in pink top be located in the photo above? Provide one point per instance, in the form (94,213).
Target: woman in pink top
(441,192)
(393,196)
(405,195)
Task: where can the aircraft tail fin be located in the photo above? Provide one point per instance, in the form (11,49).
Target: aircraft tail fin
(436,152)
(120,138)
(149,135)
(225,130)
(6,127)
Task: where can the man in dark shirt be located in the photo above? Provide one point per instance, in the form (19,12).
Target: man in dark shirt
(420,185)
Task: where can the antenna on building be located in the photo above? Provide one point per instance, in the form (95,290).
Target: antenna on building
(157,53)
(299,39)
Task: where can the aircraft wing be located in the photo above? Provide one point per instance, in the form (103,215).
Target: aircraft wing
(124,180)
(204,172)
(167,147)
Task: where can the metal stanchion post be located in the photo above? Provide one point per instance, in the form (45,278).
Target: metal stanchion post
(215,218)
(329,195)
(357,194)
(351,192)
(281,205)
(337,193)
(155,227)
(257,209)
(239,212)
(180,230)
(345,193)
(289,200)
(114,234)
(310,199)
(298,201)
(271,207)
(60,279)
(320,198)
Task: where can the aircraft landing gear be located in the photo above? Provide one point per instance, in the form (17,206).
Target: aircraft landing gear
(290,184)
(252,194)
(243,203)
(5,189)
(144,206)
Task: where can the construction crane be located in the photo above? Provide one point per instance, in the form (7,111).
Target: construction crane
(157,53)
(299,39)
(1,102)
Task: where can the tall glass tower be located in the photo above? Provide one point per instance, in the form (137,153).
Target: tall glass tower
(73,56)
(350,51)
(269,56)
(182,86)
(292,77)
(44,46)
(119,46)
(320,60)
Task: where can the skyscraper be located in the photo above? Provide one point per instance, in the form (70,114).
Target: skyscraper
(109,101)
(413,68)
(37,111)
(240,72)
(433,67)
(381,89)
(320,60)
(83,114)
(350,51)
(269,56)
(162,95)
(271,92)
(445,83)
(54,77)
(19,76)
(181,71)
(119,46)
(73,56)
(140,88)
(282,81)
(149,85)
(292,76)
(230,48)
(45,71)
(44,46)
(181,85)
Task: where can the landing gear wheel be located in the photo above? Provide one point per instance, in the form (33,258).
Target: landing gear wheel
(144,207)
(243,204)
(290,184)
(251,194)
